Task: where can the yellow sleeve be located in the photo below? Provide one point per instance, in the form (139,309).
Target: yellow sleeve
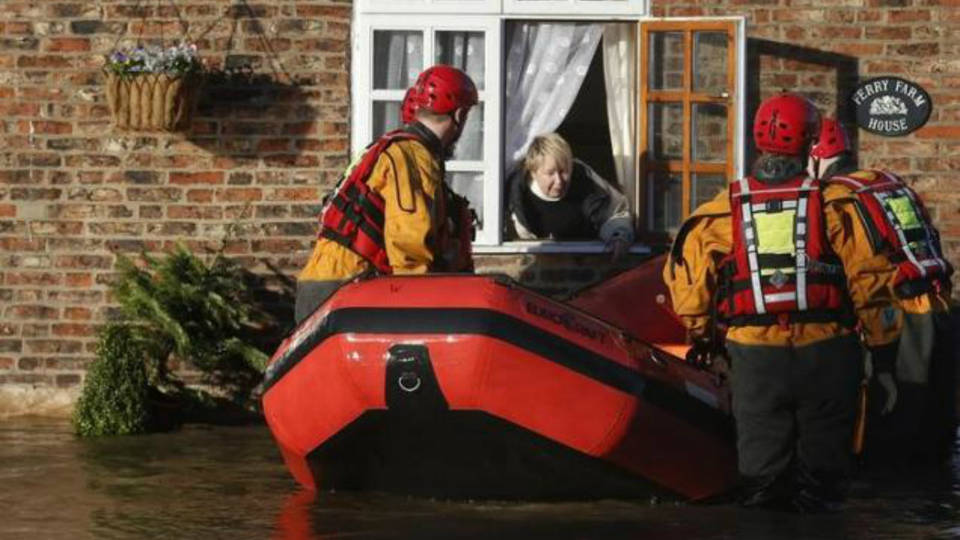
(691,269)
(869,274)
(408,178)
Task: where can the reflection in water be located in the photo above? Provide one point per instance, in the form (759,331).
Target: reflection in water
(205,482)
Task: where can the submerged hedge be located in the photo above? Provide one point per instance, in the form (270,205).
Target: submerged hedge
(115,396)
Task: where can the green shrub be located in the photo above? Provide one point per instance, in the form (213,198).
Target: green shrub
(174,307)
(201,313)
(114,400)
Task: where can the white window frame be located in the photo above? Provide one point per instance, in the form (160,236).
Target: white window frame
(490,16)
(589,9)
(364,96)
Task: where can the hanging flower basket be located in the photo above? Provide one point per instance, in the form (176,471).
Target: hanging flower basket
(153,89)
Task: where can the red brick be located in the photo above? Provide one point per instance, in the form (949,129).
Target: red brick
(194,212)
(888,32)
(83,261)
(323,12)
(240,194)
(31,312)
(33,278)
(54,346)
(68,45)
(939,132)
(81,280)
(73,329)
(293,194)
(45,62)
(200,195)
(8,210)
(213,177)
(274,145)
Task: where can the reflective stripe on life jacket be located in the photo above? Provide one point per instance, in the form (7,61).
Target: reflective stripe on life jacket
(354,215)
(900,220)
(780,263)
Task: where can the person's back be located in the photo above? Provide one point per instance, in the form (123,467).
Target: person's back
(916,415)
(389,213)
(772,258)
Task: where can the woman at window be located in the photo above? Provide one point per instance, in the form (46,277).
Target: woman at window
(561,198)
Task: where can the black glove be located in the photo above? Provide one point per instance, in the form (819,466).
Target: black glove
(702,351)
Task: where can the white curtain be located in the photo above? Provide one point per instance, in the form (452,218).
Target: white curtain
(546,65)
(619,68)
(398,56)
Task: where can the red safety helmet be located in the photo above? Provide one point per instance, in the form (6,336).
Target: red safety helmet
(408,109)
(441,89)
(785,124)
(832,142)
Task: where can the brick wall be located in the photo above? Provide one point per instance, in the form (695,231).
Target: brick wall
(271,134)
(271,130)
(822,48)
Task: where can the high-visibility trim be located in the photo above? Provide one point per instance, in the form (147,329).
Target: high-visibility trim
(781,262)
(780,297)
(899,226)
(750,236)
(801,237)
(894,221)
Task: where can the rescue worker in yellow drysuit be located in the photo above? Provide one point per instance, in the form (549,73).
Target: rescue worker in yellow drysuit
(392,213)
(915,416)
(788,268)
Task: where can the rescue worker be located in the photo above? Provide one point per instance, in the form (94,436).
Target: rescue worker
(922,383)
(789,270)
(391,211)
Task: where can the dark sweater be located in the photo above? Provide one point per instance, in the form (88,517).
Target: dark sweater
(578,215)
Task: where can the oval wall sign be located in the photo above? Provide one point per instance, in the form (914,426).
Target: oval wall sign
(891,106)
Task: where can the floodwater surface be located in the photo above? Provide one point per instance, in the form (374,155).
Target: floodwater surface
(230,482)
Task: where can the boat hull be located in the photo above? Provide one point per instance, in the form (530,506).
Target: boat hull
(473,387)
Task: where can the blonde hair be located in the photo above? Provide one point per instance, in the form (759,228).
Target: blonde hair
(550,144)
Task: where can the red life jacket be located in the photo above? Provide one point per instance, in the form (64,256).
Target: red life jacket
(354,215)
(781,268)
(899,224)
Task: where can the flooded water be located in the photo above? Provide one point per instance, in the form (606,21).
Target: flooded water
(230,482)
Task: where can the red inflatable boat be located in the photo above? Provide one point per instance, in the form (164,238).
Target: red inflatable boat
(472,386)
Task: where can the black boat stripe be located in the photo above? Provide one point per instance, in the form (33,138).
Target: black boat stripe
(496,325)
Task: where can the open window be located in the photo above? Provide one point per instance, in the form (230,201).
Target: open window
(691,103)
(655,107)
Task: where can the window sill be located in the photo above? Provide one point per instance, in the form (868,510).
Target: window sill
(537,246)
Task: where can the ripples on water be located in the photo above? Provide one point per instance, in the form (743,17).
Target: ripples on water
(230,482)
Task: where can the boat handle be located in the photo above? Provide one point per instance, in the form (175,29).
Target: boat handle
(406,386)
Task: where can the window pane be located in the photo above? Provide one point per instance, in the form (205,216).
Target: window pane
(470,145)
(710,62)
(463,50)
(397,59)
(666,60)
(705,187)
(386,117)
(667,197)
(709,131)
(665,137)
(469,185)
